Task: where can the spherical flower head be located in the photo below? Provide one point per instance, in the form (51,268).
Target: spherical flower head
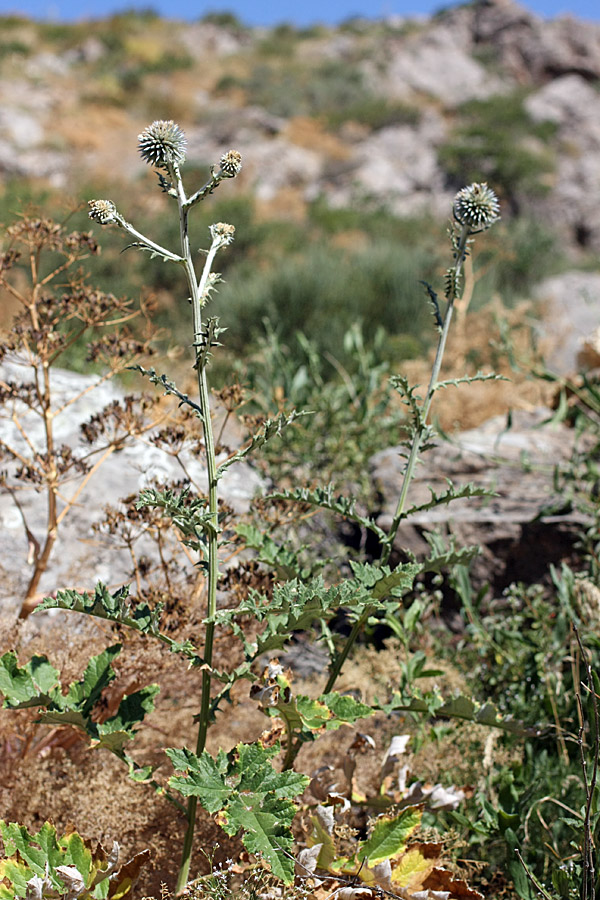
(222,234)
(103,211)
(230,164)
(477,207)
(162,144)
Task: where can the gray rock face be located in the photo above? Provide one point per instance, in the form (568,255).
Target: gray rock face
(435,63)
(517,540)
(80,558)
(571,207)
(472,51)
(570,304)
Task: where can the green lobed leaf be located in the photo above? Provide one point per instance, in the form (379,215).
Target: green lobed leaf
(205,777)
(84,694)
(345,709)
(390,835)
(188,513)
(250,794)
(117,607)
(294,605)
(432,703)
(24,686)
(266,830)
(383,582)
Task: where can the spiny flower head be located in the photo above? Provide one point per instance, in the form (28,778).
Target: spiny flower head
(103,211)
(477,207)
(230,164)
(162,144)
(222,233)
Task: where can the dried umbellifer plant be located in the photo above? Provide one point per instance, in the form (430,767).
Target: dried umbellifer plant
(58,310)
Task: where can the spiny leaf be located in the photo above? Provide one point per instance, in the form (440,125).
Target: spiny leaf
(383,582)
(433,704)
(452,493)
(278,556)
(189,514)
(469,379)
(324,498)
(294,605)
(169,387)
(270,428)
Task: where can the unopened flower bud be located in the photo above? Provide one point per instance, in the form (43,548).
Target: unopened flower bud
(230,164)
(477,207)
(162,144)
(103,211)
(222,234)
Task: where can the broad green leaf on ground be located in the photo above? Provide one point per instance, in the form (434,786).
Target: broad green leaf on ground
(76,707)
(249,794)
(265,822)
(44,864)
(390,835)
(22,686)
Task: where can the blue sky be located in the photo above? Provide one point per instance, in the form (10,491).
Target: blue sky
(267,12)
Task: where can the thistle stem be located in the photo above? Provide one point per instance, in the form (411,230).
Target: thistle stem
(425,409)
(196,293)
(412,459)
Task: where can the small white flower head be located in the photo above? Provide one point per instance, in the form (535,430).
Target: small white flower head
(230,164)
(162,144)
(222,234)
(477,207)
(103,211)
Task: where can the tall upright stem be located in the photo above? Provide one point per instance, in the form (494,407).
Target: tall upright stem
(196,293)
(433,381)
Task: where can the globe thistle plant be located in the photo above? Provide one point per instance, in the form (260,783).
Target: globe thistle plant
(476,207)
(162,144)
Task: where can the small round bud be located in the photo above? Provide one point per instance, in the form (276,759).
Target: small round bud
(230,164)
(103,211)
(477,207)
(222,234)
(162,144)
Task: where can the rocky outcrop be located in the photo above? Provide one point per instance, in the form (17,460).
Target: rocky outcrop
(471,51)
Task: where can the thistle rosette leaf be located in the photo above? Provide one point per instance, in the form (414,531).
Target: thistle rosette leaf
(250,796)
(476,207)
(162,144)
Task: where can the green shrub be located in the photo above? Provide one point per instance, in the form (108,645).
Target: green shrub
(492,138)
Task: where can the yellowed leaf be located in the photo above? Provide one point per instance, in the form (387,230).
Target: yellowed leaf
(411,869)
